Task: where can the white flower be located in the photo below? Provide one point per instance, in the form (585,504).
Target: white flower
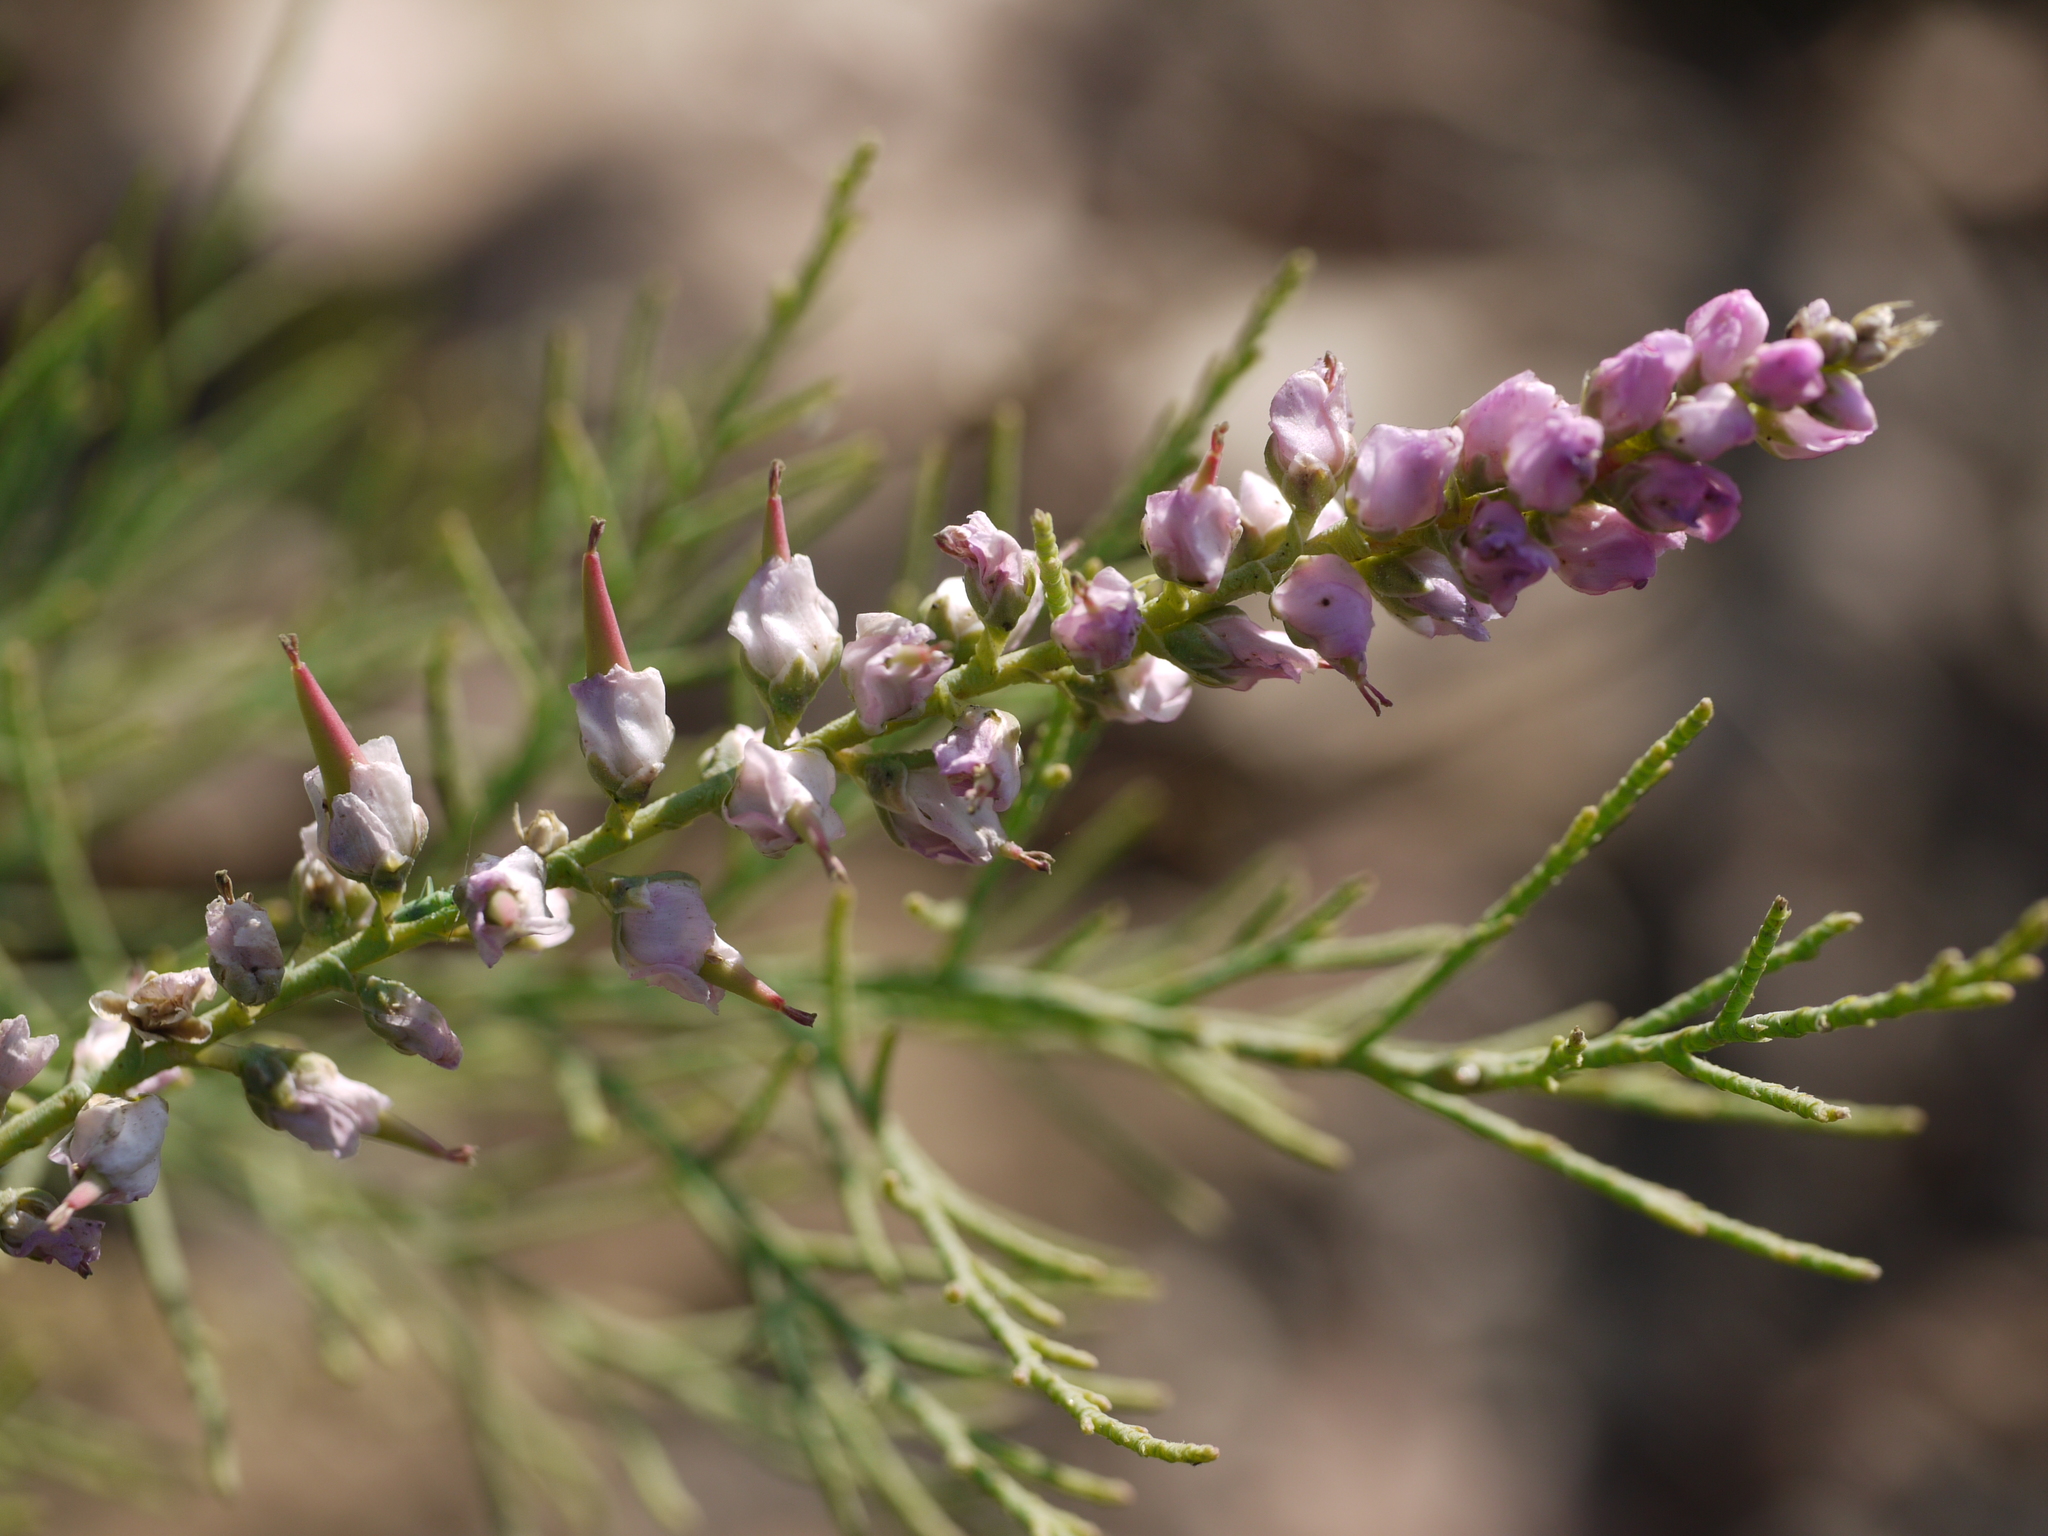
(22,1055)
(662,934)
(371,830)
(113,1150)
(622,718)
(781,798)
(1150,688)
(506,901)
(243,952)
(788,632)
(891,668)
(311,1100)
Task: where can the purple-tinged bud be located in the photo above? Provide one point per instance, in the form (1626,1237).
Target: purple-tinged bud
(242,948)
(921,811)
(662,934)
(1324,604)
(1491,422)
(164,1004)
(1190,530)
(1499,556)
(1150,688)
(1399,479)
(779,799)
(1882,336)
(1425,592)
(787,629)
(1706,425)
(1002,576)
(1628,391)
(1725,331)
(1264,512)
(622,722)
(949,614)
(328,903)
(1671,495)
(113,1150)
(22,1055)
(547,833)
(1552,459)
(369,827)
(305,1095)
(506,901)
(1783,374)
(408,1023)
(1841,418)
(25,1232)
(1099,631)
(982,759)
(1817,323)
(1227,649)
(891,668)
(1599,550)
(1311,446)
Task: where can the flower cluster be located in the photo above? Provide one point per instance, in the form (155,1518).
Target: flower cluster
(1443,528)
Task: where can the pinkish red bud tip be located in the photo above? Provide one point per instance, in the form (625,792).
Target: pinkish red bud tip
(603,646)
(775,535)
(1206,475)
(334,748)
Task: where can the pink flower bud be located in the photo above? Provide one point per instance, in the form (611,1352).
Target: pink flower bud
(1150,688)
(981,758)
(306,1096)
(1101,628)
(623,724)
(1311,445)
(1783,374)
(1499,556)
(1706,425)
(1227,649)
(1599,550)
(22,1055)
(1725,331)
(1324,604)
(788,632)
(506,901)
(1190,530)
(1628,391)
(1002,576)
(1672,495)
(162,1004)
(243,953)
(923,812)
(1491,422)
(1426,593)
(1398,482)
(778,798)
(1263,511)
(25,1233)
(408,1023)
(113,1150)
(662,934)
(1551,459)
(1841,418)
(891,668)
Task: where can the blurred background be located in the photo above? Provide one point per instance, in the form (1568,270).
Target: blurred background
(1074,204)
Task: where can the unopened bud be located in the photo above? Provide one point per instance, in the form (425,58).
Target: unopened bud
(408,1023)
(1002,576)
(242,949)
(546,834)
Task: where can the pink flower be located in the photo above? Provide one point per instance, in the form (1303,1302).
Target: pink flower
(922,811)
(1491,422)
(1599,550)
(1264,511)
(1427,593)
(1783,374)
(891,668)
(22,1055)
(662,934)
(779,798)
(1101,628)
(1324,604)
(1706,425)
(1002,576)
(243,953)
(1398,482)
(25,1233)
(1841,418)
(306,1096)
(1725,332)
(1672,495)
(1551,459)
(1628,391)
(367,825)
(113,1150)
(1227,649)
(1311,444)
(1150,688)
(1499,556)
(981,758)
(1190,530)
(506,902)
(408,1023)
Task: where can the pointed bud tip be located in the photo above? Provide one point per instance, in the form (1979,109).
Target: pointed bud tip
(224,885)
(596,533)
(791,1011)
(291,648)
